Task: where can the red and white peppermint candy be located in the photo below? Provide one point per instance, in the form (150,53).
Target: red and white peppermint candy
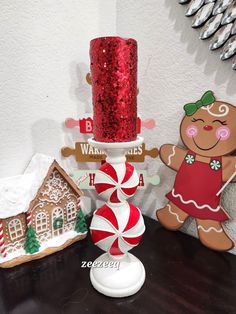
(117,228)
(116,182)
(2,242)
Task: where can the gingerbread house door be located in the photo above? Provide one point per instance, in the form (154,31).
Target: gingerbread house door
(57,221)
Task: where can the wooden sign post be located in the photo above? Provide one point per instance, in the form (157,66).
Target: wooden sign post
(85,179)
(83,152)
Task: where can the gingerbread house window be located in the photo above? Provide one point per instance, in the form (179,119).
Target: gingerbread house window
(57,212)
(15,229)
(41,222)
(71,211)
(57,221)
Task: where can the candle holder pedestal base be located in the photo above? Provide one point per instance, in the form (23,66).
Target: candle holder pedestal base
(117,226)
(121,278)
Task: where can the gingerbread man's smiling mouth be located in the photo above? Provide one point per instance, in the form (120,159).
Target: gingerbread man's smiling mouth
(206,148)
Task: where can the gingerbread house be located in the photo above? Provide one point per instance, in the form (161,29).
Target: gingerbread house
(45,202)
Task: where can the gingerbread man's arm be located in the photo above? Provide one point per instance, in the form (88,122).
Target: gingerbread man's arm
(228,168)
(172,155)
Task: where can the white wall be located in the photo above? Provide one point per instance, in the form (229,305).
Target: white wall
(174,67)
(44,58)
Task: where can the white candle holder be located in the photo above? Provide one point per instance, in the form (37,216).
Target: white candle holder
(117,226)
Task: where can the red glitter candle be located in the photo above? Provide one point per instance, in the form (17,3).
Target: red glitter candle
(114,88)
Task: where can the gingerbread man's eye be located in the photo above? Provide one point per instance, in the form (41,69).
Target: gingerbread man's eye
(221,122)
(195,120)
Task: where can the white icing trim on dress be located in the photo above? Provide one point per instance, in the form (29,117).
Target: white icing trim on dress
(193,202)
(171,155)
(223,109)
(177,216)
(210,229)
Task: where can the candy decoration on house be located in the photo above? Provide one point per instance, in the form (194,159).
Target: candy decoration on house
(38,212)
(57,223)
(2,243)
(208,130)
(117,226)
(119,229)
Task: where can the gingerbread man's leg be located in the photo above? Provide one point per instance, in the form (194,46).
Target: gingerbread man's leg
(171,216)
(212,234)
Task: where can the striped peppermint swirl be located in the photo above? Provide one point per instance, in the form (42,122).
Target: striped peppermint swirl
(117,182)
(117,229)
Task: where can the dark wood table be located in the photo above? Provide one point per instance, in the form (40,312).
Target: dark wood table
(182,277)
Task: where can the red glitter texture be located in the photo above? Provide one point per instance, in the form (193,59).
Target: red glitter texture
(114,88)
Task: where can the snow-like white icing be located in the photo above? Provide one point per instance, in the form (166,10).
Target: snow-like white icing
(53,242)
(17,192)
(14,195)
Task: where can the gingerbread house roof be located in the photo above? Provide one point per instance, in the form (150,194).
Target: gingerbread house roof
(15,195)
(18,193)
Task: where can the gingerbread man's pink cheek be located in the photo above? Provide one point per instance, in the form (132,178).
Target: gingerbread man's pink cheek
(191,131)
(223,133)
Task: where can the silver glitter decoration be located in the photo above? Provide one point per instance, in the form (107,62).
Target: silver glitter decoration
(217,20)
(211,26)
(229,49)
(203,14)
(221,6)
(230,14)
(234,64)
(194,6)
(233,30)
(184,1)
(221,36)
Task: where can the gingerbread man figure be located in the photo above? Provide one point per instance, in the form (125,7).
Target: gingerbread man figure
(208,130)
